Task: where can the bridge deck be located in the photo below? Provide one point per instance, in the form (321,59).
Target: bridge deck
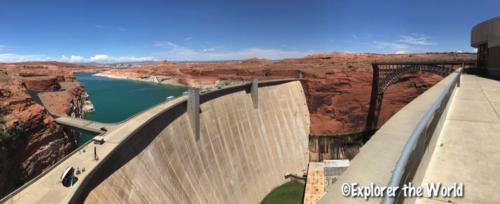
(85,125)
(467,148)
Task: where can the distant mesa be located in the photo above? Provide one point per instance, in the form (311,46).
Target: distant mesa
(255,61)
(166,62)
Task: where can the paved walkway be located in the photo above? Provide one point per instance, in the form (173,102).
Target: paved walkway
(315,185)
(468,149)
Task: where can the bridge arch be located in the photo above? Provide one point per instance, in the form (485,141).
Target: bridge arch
(396,73)
(386,73)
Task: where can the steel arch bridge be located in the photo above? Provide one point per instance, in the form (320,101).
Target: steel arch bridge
(386,73)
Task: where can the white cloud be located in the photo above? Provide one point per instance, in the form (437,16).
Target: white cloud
(178,52)
(188,38)
(73,59)
(259,53)
(98,26)
(10,57)
(131,59)
(166,45)
(390,45)
(170,51)
(361,36)
(416,39)
(208,49)
(405,44)
(100,57)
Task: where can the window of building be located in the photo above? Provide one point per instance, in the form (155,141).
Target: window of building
(482,55)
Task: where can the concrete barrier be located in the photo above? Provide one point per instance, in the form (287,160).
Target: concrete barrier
(377,158)
(242,153)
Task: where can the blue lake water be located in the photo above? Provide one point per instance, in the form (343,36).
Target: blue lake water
(117,99)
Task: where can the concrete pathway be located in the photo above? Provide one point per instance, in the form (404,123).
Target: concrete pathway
(315,185)
(468,149)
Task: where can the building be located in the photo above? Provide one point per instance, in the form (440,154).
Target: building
(485,37)
(320,175)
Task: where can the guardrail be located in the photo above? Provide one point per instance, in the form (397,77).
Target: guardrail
(417,143)
(456,62)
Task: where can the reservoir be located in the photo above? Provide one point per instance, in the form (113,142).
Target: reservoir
(118,99)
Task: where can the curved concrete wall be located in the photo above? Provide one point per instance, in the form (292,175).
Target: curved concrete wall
(487,31)
(243,153)
(377,158)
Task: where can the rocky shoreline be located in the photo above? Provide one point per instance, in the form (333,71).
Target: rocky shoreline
(172,81)
(167,80)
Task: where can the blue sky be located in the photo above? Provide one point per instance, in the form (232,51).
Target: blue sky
(112,31)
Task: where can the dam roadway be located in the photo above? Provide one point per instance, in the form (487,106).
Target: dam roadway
(243,152)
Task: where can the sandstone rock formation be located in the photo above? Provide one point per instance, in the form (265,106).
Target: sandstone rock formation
(30,140)
(337,85)
(337,88)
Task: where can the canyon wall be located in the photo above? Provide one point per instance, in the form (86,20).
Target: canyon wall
(242,154)
(337,85)
(70,101)
(30,140)
(337,88)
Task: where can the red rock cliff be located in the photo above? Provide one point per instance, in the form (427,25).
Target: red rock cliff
(30,140)
(337,85)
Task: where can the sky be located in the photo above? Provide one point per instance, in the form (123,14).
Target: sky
(102,31)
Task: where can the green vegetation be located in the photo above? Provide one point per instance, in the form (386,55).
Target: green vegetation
(5,118)
(288,193)
(12,133)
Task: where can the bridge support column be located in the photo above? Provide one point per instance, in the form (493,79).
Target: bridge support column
(254,92)
(193,111)
(459,76)
(373,103)
(300,74)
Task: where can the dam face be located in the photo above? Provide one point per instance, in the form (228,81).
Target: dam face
(242,154)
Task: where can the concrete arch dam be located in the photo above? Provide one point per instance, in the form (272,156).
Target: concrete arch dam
(245,148)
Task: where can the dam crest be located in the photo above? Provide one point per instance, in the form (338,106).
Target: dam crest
(244,150)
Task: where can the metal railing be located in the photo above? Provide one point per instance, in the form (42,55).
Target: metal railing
(417,143)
